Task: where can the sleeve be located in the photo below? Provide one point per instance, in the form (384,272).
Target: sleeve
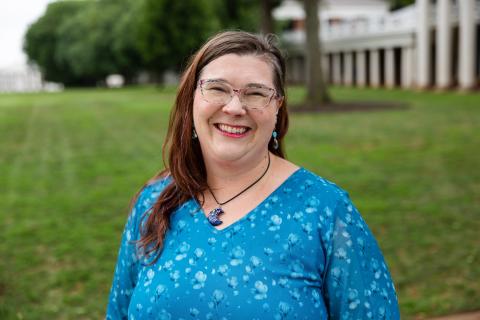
(127,267)
(357,283)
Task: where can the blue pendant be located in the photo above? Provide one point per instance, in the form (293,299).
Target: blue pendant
(213,216)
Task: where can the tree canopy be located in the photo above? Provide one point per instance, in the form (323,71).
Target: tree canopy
(171,30)
(42,40)
(80,42)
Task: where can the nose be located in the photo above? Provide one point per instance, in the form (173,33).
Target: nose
(234,106)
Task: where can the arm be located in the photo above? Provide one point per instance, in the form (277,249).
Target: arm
(126,270)
(357,283)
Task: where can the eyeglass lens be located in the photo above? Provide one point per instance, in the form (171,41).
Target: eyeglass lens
(221,93)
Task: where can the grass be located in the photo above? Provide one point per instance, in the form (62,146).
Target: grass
(69,163)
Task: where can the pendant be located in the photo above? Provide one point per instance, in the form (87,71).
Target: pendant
(213,216)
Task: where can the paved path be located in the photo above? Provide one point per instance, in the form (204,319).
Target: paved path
(463,316)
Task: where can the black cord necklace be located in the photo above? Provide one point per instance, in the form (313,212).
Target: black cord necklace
(213,215)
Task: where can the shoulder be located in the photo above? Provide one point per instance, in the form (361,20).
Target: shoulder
(335,202)
(154,188)
(147,197)
(314,185)
(323,201)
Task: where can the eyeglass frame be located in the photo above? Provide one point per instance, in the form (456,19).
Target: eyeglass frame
(239,93)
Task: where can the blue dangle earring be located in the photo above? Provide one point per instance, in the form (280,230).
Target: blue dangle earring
(275,141)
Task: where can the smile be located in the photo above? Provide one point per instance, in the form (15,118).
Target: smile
(235,131)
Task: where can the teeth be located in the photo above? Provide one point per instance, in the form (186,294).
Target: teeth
(234,130)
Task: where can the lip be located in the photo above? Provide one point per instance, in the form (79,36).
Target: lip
(232,134)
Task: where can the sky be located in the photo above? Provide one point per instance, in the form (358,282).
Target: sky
(15,17)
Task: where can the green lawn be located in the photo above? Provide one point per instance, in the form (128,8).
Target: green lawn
(69,163)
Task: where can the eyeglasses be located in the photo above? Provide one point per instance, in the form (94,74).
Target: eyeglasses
(251,97)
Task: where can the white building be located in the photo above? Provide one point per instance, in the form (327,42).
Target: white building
(20,79)
(426,45)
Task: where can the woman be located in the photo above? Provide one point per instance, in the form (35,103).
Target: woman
(232,230)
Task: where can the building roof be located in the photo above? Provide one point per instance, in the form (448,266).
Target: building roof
(293,10)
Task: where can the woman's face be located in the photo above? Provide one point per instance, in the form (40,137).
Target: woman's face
(231,132)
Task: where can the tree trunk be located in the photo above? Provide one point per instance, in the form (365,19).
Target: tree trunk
(266,19)
(317,94)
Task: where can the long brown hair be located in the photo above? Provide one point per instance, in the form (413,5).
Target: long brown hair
(185,161)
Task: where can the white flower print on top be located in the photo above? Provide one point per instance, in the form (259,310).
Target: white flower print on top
(275,222)
(199,280)
(303,253)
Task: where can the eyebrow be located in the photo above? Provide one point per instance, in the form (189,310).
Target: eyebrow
(251,84)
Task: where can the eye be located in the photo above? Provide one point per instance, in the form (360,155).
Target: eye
(257,92)
(215,87)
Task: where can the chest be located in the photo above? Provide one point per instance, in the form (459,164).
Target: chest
(268,263)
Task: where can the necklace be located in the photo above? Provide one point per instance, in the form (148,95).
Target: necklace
(213,215)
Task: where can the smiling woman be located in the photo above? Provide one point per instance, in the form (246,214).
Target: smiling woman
(231,229)
(228,131)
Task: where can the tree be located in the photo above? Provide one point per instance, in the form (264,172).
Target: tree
(170,31)
(317,94)
(397,4)
(238,14)
(100,40)
(41,41)
(267,25)
(79,43)
(84,44)
(125,46)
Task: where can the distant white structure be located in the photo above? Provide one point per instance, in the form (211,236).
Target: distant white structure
(115,81)
(20,79)
(426,45)
(25,79)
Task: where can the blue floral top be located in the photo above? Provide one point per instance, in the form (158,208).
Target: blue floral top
(303,253)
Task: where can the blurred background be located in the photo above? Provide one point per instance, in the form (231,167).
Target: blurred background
(86,87)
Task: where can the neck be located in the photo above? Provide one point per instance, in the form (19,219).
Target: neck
(231,176)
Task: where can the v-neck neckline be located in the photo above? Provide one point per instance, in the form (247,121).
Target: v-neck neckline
(244,217)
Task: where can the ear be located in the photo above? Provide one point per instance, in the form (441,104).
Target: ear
(278,104)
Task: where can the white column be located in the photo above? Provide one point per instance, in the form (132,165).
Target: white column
(407,67)
(374,68)
(467,47)
(348,68)
(337,71)
(423,43)
(444,44)
(389,68)
(361,69)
